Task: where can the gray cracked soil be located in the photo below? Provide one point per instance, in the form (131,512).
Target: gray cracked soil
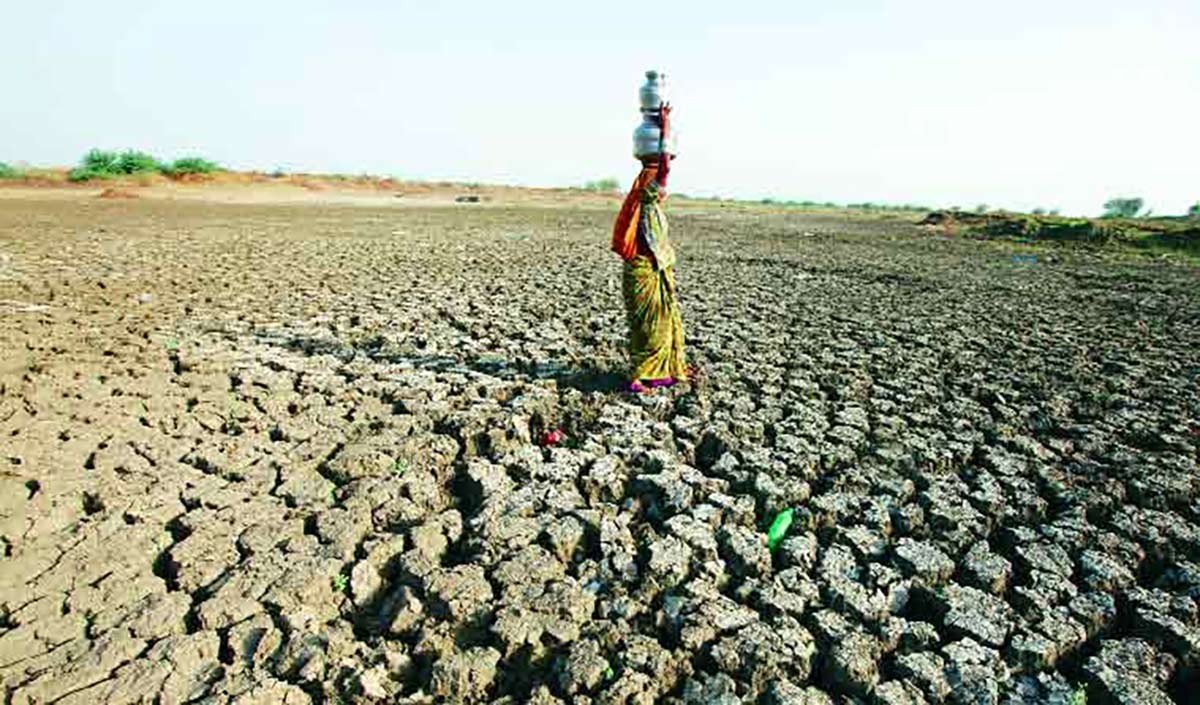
(268,454)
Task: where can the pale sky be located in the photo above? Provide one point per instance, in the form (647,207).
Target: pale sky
(1019,104)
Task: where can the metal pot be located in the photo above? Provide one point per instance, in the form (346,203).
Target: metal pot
(645,138)
(653,91)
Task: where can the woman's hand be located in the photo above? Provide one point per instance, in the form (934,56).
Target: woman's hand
(666,120)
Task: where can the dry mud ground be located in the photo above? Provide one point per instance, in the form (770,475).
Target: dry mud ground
(288,454)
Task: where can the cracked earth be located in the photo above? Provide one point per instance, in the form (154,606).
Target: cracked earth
(290,454)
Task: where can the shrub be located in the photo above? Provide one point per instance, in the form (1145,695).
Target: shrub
(602,185)
(98,161)
(1194,211)
(191,165)
(84,173)
(1122,207)
(8,172)
(100,164)
(132,162)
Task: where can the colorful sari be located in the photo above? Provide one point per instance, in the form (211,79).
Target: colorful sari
(641,237)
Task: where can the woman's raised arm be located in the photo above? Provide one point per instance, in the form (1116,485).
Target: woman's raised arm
(664,158)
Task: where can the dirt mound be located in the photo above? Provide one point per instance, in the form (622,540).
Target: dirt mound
(116,193)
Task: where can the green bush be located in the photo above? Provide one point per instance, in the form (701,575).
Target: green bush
(84,173)
(100,164)
(1194,211)
(191,165)
(98,161)
(132,162)
(8,172)
(1123,207)
(103,164)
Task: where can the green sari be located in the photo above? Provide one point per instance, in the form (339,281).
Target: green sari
(651,305)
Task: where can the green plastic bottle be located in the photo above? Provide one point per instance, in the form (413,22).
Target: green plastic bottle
(779,528)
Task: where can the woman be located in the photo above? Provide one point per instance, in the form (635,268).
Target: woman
(640,237)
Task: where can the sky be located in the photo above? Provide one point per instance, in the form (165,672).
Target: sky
(1055,104)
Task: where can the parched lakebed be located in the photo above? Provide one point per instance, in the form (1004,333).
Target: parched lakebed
(293,454)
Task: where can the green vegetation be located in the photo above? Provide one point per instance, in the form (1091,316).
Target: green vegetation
(830,205)
(102,164)
(1152,235)
(340,583)
(1123,207)
(1041,227)
(132,162)
(602,185)
(869,206)
(1194,211)
(190,165)
(9,172)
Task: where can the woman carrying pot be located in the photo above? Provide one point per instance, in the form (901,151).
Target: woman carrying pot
(641,238)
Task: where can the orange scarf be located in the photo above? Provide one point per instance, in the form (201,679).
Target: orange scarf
(624,239)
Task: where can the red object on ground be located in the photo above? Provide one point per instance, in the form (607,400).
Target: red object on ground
(553,438)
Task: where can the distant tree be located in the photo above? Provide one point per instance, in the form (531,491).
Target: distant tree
(1038,211)
(1123,207)
(602,185)
(8,172)
(1194,211)
(981,208)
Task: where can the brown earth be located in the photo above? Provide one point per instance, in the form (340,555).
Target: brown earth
(117,193)
(262,444)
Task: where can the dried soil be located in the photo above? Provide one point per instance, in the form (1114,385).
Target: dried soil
(289,454)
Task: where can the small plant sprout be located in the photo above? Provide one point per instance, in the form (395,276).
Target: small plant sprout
(400,466)
(172,344)
(341,583)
